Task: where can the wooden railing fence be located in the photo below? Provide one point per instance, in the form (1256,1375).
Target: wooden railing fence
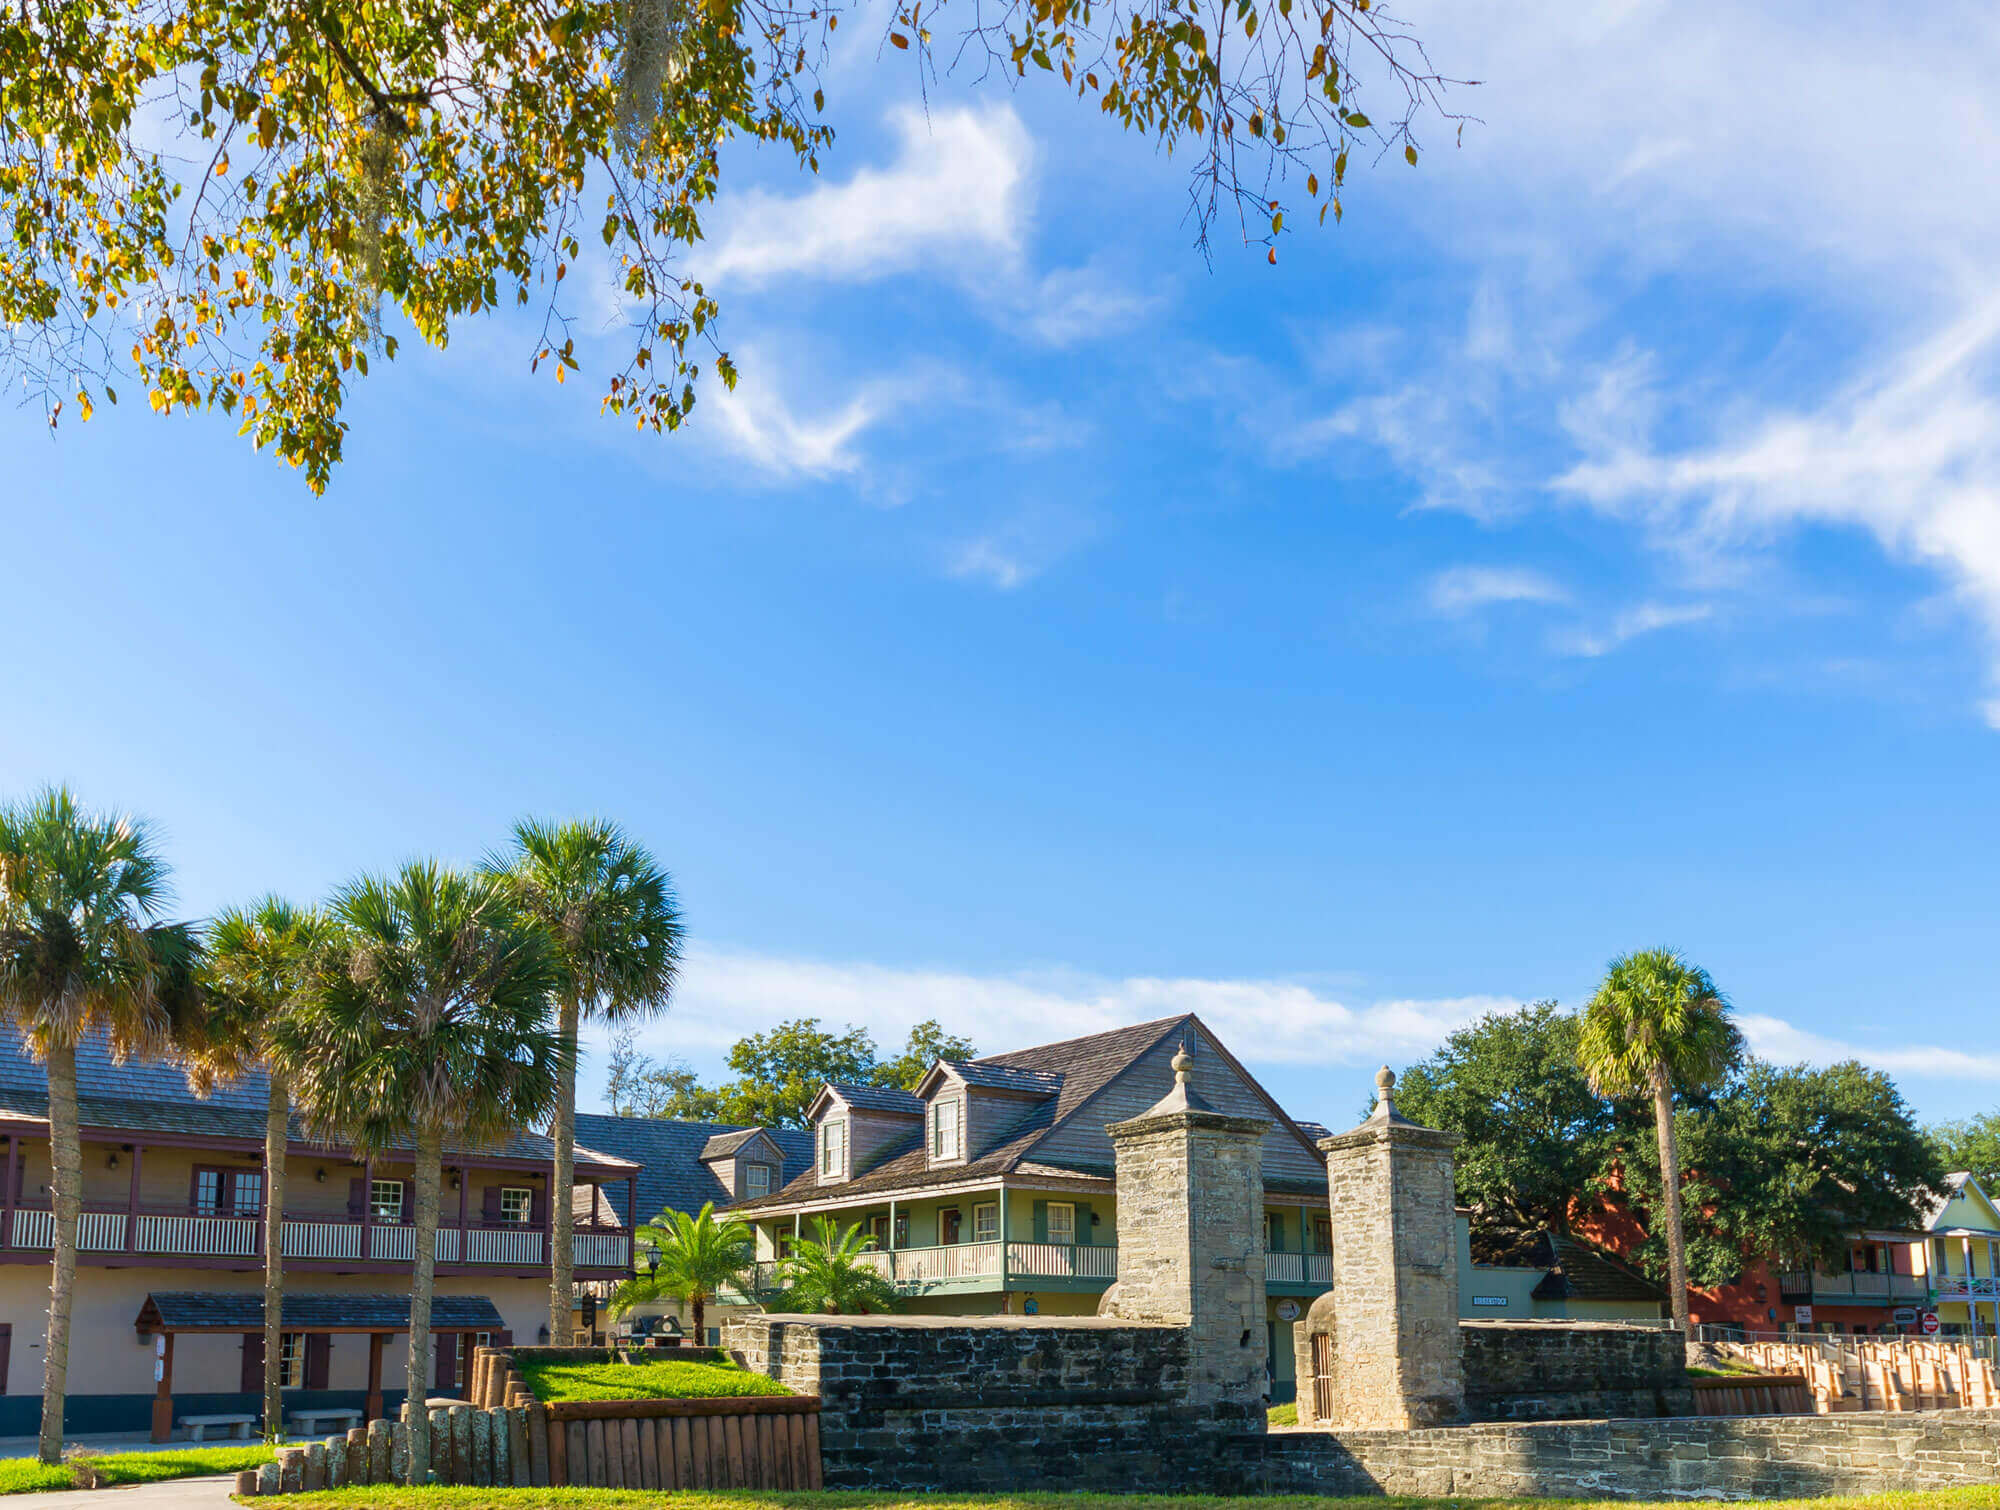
(1754,1395)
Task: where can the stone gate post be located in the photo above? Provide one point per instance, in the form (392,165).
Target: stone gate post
(1389,1333)
(1191,1243)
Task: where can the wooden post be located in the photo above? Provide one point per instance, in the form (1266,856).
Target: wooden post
(368,1208)
(163,1389)
(464,1188)
(7,1195)
(132,1201)
(374,1404)
(631,1223)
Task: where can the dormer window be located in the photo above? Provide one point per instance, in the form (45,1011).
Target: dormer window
(948,1130)
(756,1181)
(832,1149)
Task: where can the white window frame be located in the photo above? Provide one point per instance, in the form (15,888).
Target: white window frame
(381,1210)
(518,1211)
(832,1149)
(1068,1209)
(948,1149)
(462,1364)
(754,1176)
(253,1178)
(983,1213)
(291,1360)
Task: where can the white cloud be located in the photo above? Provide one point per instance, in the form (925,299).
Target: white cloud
(725,994)
(985,560)
(1775,1039)
(1073,304)
(1643,618)
(1909,452)
(958,188)
(1462,590)
(759,425)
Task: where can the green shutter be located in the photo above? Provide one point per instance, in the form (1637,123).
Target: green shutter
(1276,1222)
(1083,1236)
(1041,1221)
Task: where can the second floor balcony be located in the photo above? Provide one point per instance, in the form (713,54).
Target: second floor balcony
(124,1234)
(1858,1287)
(1017,1265)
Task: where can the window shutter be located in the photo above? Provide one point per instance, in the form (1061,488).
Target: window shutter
(319,1353)
(503,1339)
(447,1362)
(1083,1237)
(489,1206)
(251,1381)
(541,1208)
(409,1196)
(1041,1221)
(357,1197)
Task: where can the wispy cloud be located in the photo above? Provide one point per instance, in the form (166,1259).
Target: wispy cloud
(1643,618)
(1775,1039)
(1462,590)
(759,424)
(957,187)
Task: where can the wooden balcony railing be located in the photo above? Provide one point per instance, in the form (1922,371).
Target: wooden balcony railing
(1299,1269)
(997,1266)
(180,1233)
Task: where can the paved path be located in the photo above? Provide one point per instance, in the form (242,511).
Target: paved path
(173,1494)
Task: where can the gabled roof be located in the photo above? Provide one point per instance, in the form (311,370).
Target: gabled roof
(997,1077)
(1080,1068)
(873,1098)
(152,1095)
(669,1156)
(1580,1271)
(722,1145)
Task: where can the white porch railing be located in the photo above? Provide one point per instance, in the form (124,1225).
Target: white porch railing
(321,1239)
(34,1229)
(198,1236)
(1963,1287)
(1062,1261)
(598,1250)
(100,1232)
(1299,1269)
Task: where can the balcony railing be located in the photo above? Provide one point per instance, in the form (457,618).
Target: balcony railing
(1299,1269)
(1963,1287)
(1860,1284)
(994,1266)
(180,1233)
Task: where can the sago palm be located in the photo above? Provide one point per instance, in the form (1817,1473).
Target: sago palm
(82,951)
(1658,1025)
(825,1273)
(689,1259)
(253,977)
(614,926)
(423,1023)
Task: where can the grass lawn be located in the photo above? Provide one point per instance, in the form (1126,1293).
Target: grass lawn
(702,1377)
(1285,1415)
(1986,1497)
(24,1475)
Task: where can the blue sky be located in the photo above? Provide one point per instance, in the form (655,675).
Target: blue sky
(1592,543)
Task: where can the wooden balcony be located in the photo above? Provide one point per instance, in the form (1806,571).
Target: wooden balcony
(314,1239)
(958,1268)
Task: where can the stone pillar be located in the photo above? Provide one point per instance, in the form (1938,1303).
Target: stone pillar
(1191,1244)
(1391,1319)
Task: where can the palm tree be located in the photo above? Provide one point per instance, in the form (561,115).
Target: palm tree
(824,1273)
(81,952)
(615,928)
(1658,1025)
(690,1259)
(424,1022)
(254,975)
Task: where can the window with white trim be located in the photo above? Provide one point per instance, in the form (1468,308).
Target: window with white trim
(986,1222)
(292,1360)
(517,1204)
(467,1341)
(756,1181)
(832,1149)
(1062,1221)
(947,1129)
(385,1200)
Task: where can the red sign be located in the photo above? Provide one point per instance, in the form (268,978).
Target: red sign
(1929,1323)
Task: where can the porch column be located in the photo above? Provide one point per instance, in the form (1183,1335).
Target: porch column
(1002,1198)
(368,1207)
(7,1195)
(1971,1300)
(464,1189)
(373,1405)
(132,1201)
(163,1386)
(631,1221)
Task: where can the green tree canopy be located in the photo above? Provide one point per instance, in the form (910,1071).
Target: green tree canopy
(827,1274)
(224,198)
(1536,1135)
(1972,1145)
(927,1044)
(689,1258)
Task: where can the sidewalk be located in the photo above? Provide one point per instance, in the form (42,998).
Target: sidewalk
(174,1494)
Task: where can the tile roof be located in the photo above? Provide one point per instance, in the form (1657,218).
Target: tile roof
(244,1311)
(879,1098)
(151,1095)
(669,1154)
(1582,1271)
(722,1145)
(1004,1077)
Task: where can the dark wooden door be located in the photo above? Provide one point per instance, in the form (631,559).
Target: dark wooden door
(6,1347)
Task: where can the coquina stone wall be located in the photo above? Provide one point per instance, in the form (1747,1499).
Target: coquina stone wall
(974,1403)
(1705,1457)
(1549,1371)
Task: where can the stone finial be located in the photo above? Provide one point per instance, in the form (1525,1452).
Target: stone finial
(1183,1064)
(1385,1089)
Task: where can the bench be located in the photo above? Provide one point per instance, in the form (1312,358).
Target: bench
(198,1426)
(306,1422)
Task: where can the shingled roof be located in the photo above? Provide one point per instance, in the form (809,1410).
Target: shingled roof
(669,1155)
(1580,1271)
(879,1098)
(243,1311)
(1077,1068)
(151,1095)
(1004,1077)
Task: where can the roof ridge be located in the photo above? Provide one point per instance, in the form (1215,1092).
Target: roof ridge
(1063,1043)
(1166,1026)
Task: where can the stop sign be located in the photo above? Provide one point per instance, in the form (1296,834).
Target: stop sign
(1929,1323)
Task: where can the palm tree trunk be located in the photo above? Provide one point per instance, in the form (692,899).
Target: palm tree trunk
(562,1256)
(698,1305)
(66,1190)
(1670,1184)
(277,1140)
(423,1274)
